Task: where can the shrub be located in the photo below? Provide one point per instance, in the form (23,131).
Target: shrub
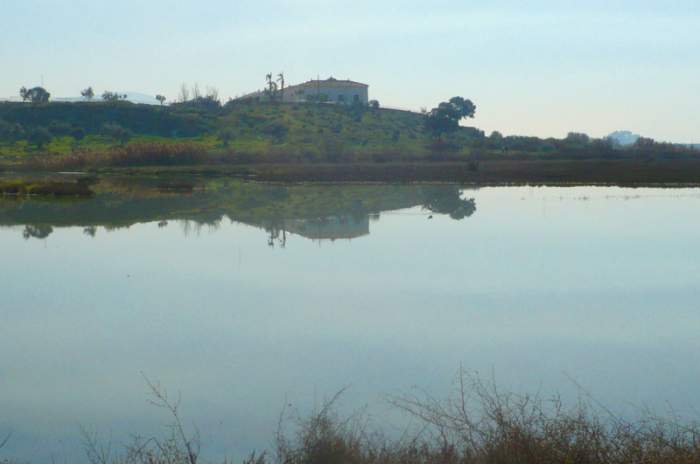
(40,136)
(59,129)
(117,133)
(276,130)
(78,133)
(226,135)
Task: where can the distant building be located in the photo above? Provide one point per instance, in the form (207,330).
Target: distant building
(330,90)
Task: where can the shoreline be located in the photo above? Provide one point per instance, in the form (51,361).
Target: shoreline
(498,172)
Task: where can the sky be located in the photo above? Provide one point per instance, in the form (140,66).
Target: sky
(541,67)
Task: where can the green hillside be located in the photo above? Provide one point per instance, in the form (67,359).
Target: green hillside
(296,131)
(74,135)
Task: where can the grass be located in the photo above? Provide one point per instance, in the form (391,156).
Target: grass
(43,188)
(477,424)
(134,154)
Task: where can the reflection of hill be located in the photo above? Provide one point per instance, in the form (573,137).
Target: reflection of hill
(318,212)
(330,228)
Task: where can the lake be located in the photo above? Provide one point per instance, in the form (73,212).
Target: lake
(246,297)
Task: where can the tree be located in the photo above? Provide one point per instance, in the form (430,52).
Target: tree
(465,108)
(40,136)
(17,132)
(5,129)
(271,90)
(210,101)
(113,96)
(226,135)
(161,99)
(496,140)
(374,104)
(446,117)
(644,143)
(36,231)
(59,128)
(35,94)
(184,93)
(280,79)
(577,138)
(78,133)
(212,93)
(117,133)
(448,200)
(88,94)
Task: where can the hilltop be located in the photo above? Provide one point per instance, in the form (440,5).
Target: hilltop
(132,97)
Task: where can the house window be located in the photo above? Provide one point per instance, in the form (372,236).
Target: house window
(356,98)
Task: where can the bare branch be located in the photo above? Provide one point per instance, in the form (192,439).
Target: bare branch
(160,399)
(5,440)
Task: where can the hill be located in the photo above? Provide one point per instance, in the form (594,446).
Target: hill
(308,131)
(60,135)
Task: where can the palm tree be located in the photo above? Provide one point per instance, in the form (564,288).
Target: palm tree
(88,94)
(280,79)
(271,86)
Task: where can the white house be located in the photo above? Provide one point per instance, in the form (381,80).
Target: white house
(330,90)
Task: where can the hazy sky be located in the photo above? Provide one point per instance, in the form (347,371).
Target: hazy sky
(541,67)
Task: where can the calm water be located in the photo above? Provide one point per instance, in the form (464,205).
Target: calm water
(244,296)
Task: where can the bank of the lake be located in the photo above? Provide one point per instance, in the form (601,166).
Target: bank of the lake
(316,142)
(489,172)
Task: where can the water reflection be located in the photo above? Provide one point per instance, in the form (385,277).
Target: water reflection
(311,211)
(542,286)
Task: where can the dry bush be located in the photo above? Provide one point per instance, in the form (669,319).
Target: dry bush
(477,424)
(178,447)
(482,425)
(324,437)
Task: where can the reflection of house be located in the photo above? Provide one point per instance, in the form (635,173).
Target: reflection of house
(330,90)
(330,228)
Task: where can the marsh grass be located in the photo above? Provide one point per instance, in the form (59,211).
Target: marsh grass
(44,188)
(477,424)
(135,154)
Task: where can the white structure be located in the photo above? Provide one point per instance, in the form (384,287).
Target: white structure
(330,90)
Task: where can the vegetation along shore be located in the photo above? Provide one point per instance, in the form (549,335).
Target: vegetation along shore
(269,139)
(477,424)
